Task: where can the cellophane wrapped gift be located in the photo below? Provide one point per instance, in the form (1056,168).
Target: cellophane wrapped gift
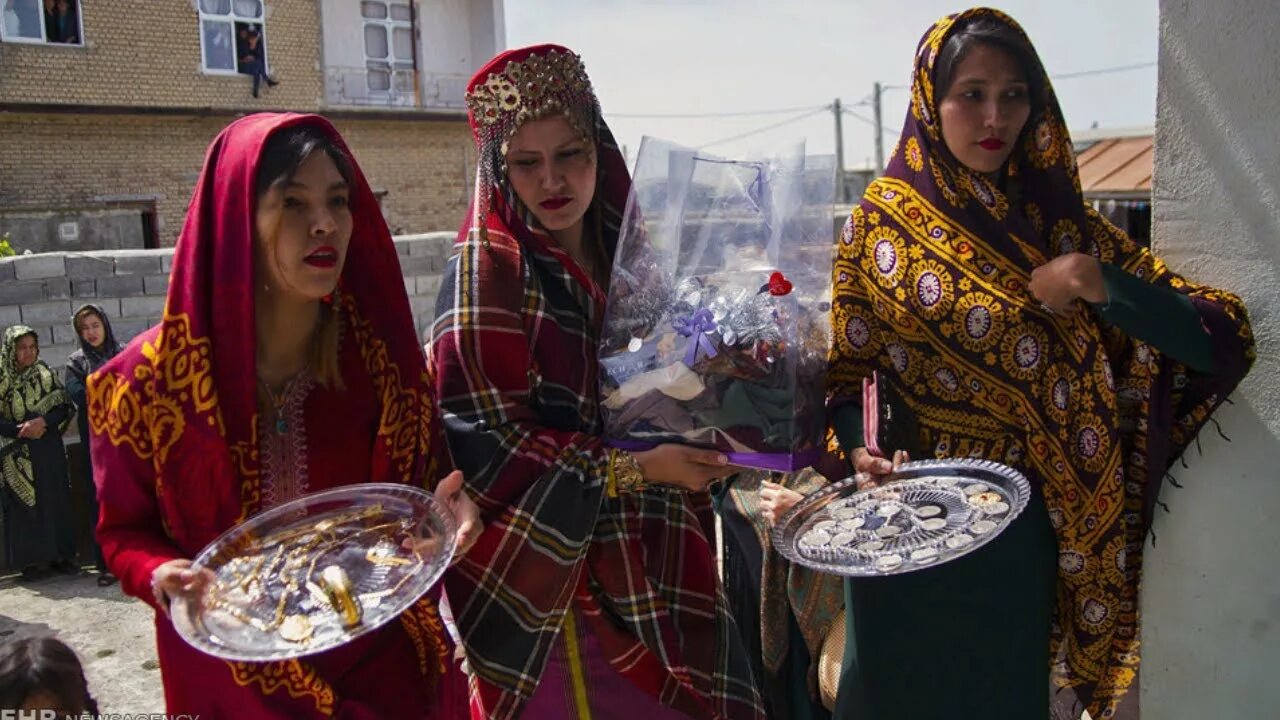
(718,326)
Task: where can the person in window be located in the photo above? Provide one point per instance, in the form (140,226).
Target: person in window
(34,410)
(61,22)
(253,58)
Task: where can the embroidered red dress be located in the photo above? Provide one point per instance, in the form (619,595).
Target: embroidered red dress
(180,454)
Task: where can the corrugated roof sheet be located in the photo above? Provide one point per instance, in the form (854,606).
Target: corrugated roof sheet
(1117,165)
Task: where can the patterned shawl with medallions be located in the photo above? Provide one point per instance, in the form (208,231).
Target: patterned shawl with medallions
(34,390)
(514,352)
(931,288)
(174,415)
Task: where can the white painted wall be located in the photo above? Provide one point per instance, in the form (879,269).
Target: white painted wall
(343,33)
(455,37)
(1211,641)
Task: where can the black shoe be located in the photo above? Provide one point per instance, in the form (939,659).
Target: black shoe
(66,567)
(255,93)
(105,579)
(272,82)
(31,572)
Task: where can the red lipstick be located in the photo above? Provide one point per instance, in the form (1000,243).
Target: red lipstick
(555,203)
(992,144)
(323,257)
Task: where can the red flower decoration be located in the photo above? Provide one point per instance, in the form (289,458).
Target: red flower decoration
(779,285)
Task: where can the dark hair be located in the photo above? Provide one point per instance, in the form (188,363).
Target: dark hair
(287,149)
(43,664)
(991,32)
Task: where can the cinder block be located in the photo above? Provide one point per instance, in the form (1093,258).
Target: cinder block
(120,286)
(141,307)
(417,247)
(90,266)
(420,265)
(65,334)
(138,264)
(6,270)
(46,313)
(85,288)
(57,288)
(166,262)
(34,267)
(16,292)
(156,284)
(126,328)
(10,315)
(428,285)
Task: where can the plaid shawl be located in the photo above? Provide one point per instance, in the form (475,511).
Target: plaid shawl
(931,281)
(514,355)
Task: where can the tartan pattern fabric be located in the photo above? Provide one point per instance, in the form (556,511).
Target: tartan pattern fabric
(514,356)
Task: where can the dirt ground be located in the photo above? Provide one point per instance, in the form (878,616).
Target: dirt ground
(113,635)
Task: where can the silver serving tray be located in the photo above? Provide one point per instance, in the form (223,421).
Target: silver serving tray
(393,542)
(928,513)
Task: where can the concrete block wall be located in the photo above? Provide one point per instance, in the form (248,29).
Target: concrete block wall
(44,290)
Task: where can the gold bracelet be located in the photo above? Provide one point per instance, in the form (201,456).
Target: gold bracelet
(625,475)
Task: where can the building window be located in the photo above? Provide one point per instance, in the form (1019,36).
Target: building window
(42,21)
(232,35)
(388,47)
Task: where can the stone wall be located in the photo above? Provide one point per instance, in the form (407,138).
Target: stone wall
(44,290)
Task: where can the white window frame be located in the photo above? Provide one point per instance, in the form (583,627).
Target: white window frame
(232,18)
(44,31)
(390,26)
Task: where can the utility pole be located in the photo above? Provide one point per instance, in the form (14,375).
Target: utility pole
(875,103)
(841,195)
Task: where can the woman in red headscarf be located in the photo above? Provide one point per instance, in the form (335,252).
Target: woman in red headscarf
(592,591)
(286,362)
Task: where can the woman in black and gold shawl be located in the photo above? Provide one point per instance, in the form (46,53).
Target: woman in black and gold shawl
(34,411)
(1021,327)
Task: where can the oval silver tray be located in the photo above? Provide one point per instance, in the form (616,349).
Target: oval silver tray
(269,579)
(929,512)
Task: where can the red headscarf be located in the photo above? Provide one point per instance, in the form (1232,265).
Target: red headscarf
(182,398)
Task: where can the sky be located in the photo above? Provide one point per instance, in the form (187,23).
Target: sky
(662,57)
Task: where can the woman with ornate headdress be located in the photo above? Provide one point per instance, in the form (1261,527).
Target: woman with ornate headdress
(286,362)
(592,591)
(1020,327)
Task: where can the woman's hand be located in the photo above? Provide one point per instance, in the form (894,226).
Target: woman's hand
(684,467)
(32,429)
(871,471)
(1060,282)
(178,578)
(449,492)
(776,500)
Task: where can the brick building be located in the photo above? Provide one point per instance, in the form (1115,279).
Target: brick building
(105,113)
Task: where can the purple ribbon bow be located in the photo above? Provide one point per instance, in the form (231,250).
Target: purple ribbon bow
(696,327)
